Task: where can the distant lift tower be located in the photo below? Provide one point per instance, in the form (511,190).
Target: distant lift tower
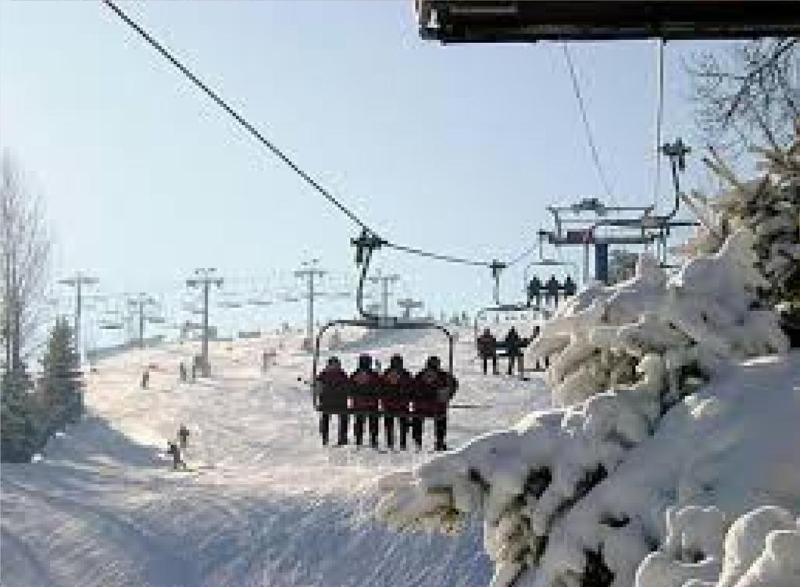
(138,303)
(386,281)
(78,281)
(310,272)
(204,277)
(408,304)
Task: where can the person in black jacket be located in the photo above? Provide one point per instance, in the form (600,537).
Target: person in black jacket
(513,343)
(175,452)
(487,349)
(183,435)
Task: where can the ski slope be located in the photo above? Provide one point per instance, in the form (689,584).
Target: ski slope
(263,503)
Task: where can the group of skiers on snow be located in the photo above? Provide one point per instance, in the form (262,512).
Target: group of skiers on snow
(395,388)
(513,344)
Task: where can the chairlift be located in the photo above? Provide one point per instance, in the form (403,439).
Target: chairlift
(229,304)
(371,402)
(618,225)
(259,302)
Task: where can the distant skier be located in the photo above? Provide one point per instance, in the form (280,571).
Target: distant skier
(194,369)
(182,372)
(569,287)
(514,344)
(551,290)
(535,291)
(264,361)
(175,452)
(487,349)
(183,435)
(145,378)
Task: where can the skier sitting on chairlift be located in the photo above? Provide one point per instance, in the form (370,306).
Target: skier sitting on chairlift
(487,349)
(397,383)
(514,343)
(569,287)
(333,397)
(437,387)
(366,382)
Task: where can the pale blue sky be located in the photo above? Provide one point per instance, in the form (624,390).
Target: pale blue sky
(452,148)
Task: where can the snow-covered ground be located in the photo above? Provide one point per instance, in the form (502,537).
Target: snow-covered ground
(265,503)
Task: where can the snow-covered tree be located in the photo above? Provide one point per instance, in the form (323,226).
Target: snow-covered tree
(621,358)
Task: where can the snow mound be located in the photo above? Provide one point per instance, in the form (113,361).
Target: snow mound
(760,549)
(694,323)
(579,495)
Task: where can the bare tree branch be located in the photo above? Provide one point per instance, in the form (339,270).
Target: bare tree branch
(24,264)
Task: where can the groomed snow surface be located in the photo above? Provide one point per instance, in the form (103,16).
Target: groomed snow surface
(263,504)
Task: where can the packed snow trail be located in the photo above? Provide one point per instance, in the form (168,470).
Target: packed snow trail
(262,504)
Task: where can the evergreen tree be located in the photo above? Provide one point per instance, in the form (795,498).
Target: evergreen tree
(20,432)
(61,383)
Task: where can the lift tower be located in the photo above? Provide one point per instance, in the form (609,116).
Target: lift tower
(386,281)
(205,277)
(139,302)
(78,281)
(310,272)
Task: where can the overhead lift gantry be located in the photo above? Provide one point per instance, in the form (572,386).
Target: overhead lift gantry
(508,21)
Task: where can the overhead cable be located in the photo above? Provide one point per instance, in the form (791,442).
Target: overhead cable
(250,128)
(659,119)
(586,127)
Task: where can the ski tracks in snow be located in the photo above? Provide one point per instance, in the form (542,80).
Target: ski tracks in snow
(265,505)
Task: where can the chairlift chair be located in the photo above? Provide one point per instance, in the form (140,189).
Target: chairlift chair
(376,404)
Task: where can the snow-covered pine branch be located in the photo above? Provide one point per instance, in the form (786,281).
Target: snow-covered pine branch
(561,504)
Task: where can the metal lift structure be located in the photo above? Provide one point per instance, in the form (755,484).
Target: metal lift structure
(618,225)
(366,244)
(530,21)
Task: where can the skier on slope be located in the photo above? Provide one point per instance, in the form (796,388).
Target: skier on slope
(182,372)
(366,382)
(183,435)
(436,388)
(175,451)
(145,377)
(397,383)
